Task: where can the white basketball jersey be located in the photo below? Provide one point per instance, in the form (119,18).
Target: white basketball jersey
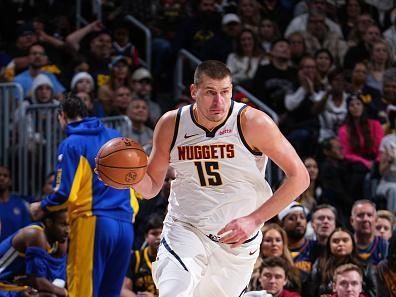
(218,176)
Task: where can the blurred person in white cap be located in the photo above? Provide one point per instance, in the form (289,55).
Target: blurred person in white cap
(141,84)
(83,85)
(293,220)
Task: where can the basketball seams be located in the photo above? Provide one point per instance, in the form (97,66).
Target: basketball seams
(118,167)
(123,149)
(114,181)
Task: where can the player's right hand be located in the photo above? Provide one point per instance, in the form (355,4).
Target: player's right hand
(36,211)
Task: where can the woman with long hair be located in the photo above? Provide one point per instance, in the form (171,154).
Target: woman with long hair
(274,244)
(340,249)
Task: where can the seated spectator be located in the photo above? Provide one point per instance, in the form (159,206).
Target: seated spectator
(249,12)
(384,224)
(360,137)
(339,181)
(348,16)
(37,59)
(387,163)
(390,33)
(388,98)
(273,278)
(14,210)
(39,255)
(268,33)
(371,249)
(274,244)
(273,81)
(332,108)
(301,125)
(348,281)
(139,113)
(244,61)
(139,280)
(386,271)
(278,11)
(142,86)
(119,103)
(380,60)
(323,222)
(122,45)
(294,221)
(339,250)
(357,33)
(313,193)
(298,48)
(119,76)
(324,63)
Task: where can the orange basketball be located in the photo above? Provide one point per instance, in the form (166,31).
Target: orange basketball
(121,162)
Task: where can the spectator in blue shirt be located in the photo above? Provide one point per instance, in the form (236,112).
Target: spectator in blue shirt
(14,211)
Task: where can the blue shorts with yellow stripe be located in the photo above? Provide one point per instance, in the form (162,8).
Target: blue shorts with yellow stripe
(99,253)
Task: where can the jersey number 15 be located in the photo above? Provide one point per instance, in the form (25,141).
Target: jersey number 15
(208,173)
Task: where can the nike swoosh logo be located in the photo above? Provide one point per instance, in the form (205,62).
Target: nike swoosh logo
(188,136)
(251,253)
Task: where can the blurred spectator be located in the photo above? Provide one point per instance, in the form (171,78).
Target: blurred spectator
(361,25)
(37,59)
(380,60)
(98,51)
(371,97)
(349,17)
(360,137)
(273,81)
(268,33)
(324,63)
(138,112)
(339,250)
(384,224)
(274,244)
(294,221)
(332,107)
(371,248)
(387,163)
(196,31)
(388,96)
(386,271)
(348,281)
(243,63)
(122,45)
(298,49)
(224,42)
(313,193)
(142,87)
(318,36)
(277,11)
(249,11)
(139,279)
(42,93)
(338,180)
(361,52)
(300,23)
(119,76)
(273,278)
(14,210)
(323,222)
(390,33)
(36,256)
(83,86)
(301,124)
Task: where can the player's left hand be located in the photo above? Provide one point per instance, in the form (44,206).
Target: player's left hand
(238,231)
(36,211)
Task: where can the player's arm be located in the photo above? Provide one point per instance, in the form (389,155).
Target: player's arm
(158,163)
(272,143)
(34,238)
(127,287)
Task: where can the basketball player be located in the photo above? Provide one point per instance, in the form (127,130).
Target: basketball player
(100,217)
(36,256)
(219,199)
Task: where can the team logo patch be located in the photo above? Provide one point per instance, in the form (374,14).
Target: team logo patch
(16,211)
(60,158)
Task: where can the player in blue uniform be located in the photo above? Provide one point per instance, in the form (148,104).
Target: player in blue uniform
(100,217)
(36,256)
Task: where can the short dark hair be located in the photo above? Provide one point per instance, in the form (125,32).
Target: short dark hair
(275,262)
(326,143)
(154,222)
(73,107)
(52,215)
(213,69)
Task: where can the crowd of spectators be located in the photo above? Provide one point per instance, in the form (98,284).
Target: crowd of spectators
(325,67)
